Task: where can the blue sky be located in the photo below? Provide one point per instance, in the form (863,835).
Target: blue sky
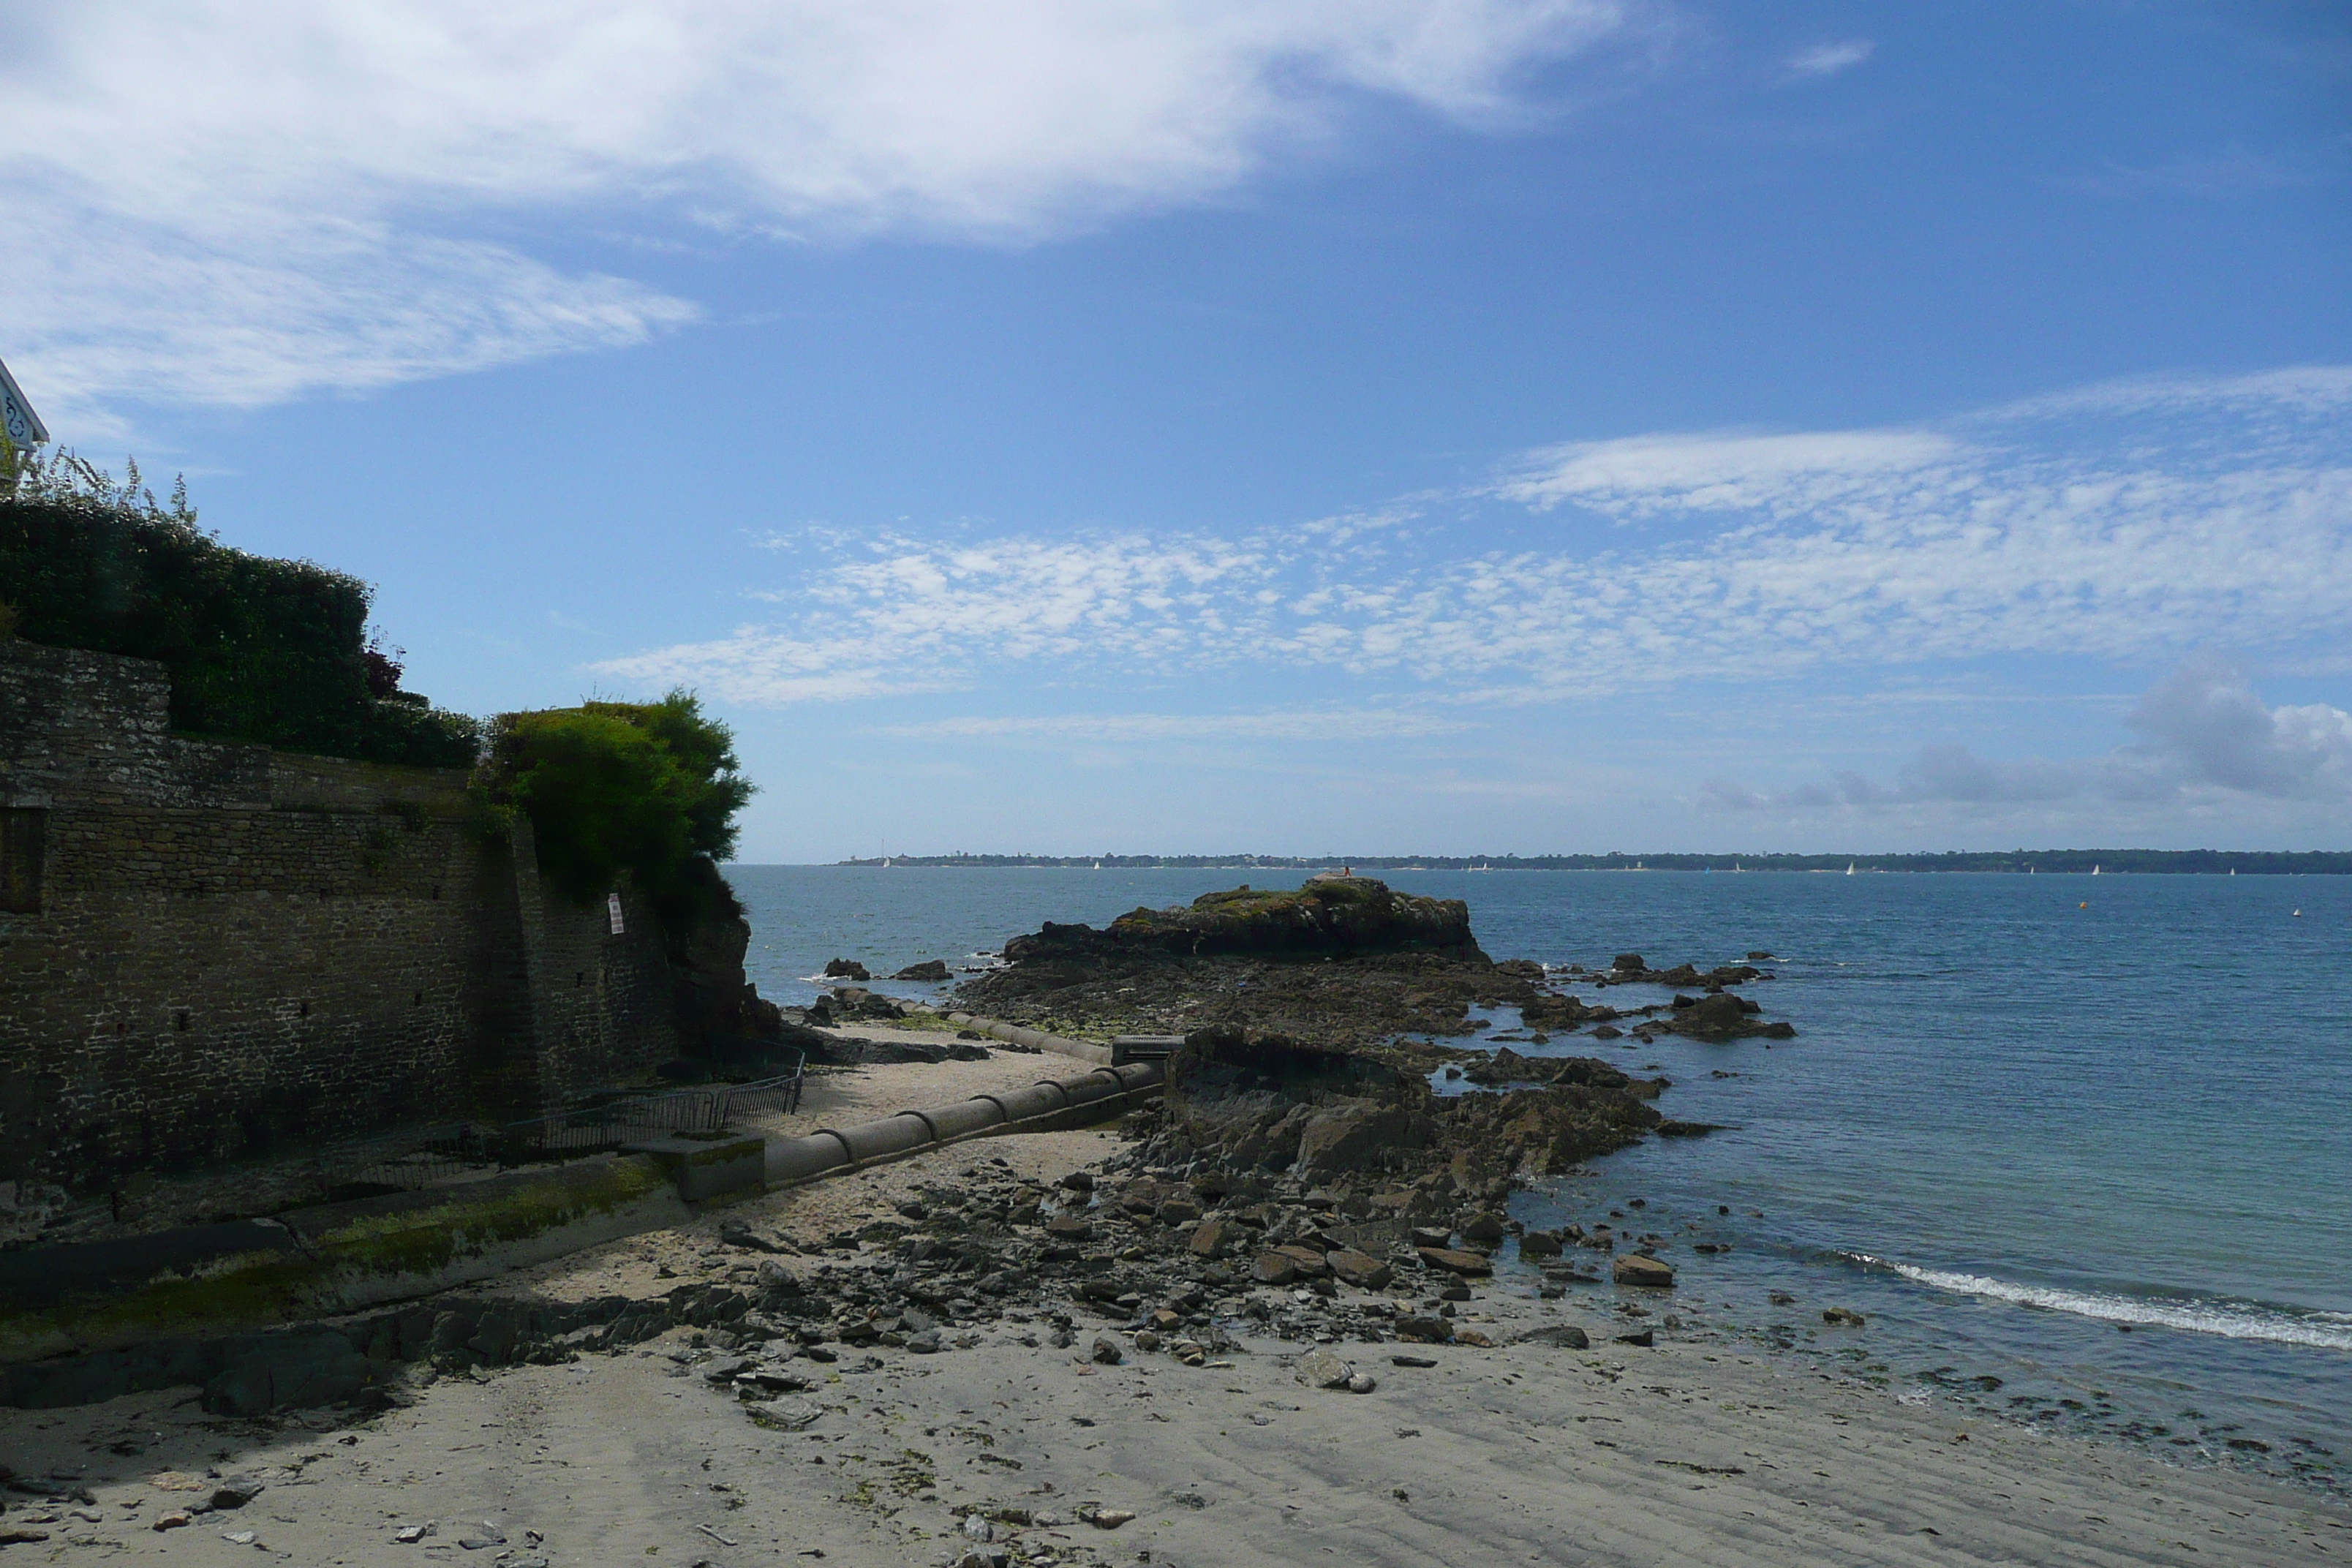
(1452,426)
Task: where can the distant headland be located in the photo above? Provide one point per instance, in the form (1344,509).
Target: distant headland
(2110,862)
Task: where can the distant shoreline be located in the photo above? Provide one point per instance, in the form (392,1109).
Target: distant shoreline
(2051,862)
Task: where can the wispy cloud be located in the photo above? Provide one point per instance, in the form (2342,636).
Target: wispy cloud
(1297,724)
(2124,524)
(1828,59)
(238,201)
(2230,171)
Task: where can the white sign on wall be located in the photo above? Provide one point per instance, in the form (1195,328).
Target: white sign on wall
(16,415)
(613,907)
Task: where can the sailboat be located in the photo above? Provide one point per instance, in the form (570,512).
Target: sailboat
(1849,868)
(2094,870)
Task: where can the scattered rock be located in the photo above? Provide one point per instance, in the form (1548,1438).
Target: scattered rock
(1110,1517)
(1107,1351)
(1642,1340)
(1841,1316)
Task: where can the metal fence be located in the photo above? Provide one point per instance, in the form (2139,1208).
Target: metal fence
(429,1156)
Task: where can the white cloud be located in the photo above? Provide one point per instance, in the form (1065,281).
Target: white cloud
(2208,738)
(1828,59)
(2206,728)
(2133,536)
(239,200)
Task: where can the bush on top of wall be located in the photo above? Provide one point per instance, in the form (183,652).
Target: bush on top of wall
(648,789)
(259,649)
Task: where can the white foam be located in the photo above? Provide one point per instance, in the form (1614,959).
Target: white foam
(2324,1330)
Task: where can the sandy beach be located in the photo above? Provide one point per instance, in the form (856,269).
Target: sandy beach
(1696,1451)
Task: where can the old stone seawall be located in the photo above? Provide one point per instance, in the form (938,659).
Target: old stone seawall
(211,952)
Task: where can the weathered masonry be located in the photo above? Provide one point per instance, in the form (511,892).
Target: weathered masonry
(211,951)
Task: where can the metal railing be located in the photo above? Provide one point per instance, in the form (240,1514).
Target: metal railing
(429,1156)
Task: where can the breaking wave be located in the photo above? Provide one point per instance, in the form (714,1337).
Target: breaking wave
(2191,1315)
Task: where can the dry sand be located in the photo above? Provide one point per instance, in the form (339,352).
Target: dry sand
(1696,1452)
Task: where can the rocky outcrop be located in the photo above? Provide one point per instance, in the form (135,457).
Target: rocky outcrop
(1266,1106)
(1508,1065)
(1721,1016)
(1327,916)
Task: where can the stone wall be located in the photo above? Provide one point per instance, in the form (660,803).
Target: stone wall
(230,953)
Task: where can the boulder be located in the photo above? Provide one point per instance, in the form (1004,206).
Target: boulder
(1638,1269)
(1319,1368)
(930,969)
(1352,1137)
(845,969)
(1484,1228)
(1568,1336)
(1472,1264)
(1424,1330)
(1361,1269)
(1628,963)
(1540,1244)
(1215,1237)
(1309,1263)
(1272,1269)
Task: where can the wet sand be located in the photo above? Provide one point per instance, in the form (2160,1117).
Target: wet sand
(1699,1452)
(1526,1453)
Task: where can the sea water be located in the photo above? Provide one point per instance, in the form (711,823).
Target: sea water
(2079,1148)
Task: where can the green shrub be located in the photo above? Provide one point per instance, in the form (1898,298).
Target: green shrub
(649,789)
(259,649)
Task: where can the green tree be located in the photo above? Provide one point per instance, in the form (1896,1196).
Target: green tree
(646,789)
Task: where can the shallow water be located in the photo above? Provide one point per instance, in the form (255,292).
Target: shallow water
(2011,1127)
